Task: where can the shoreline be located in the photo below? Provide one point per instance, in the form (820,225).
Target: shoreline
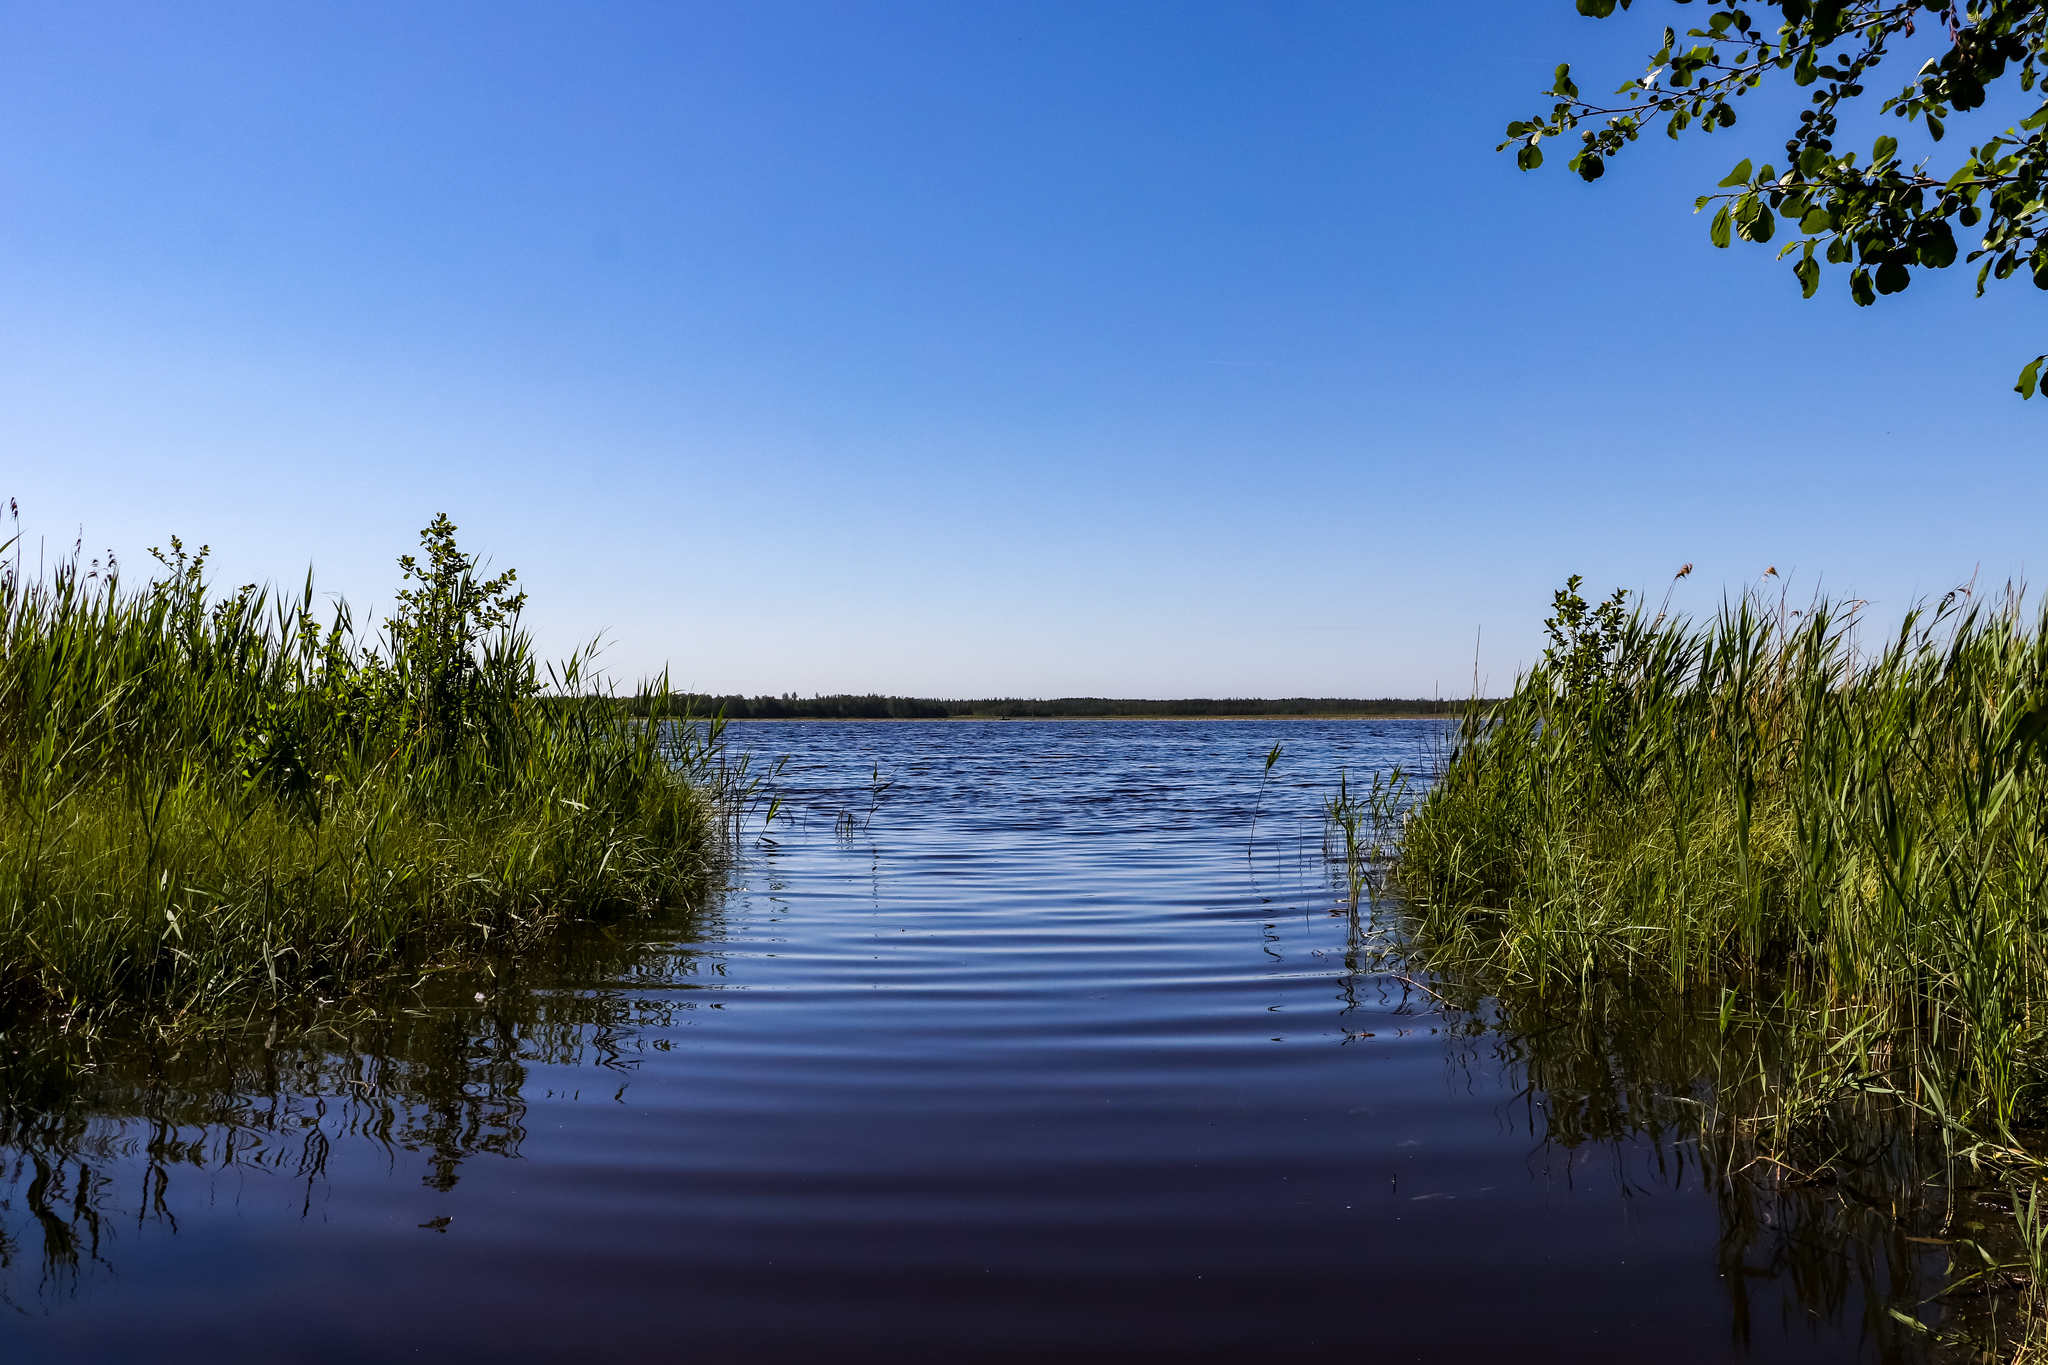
(949,720)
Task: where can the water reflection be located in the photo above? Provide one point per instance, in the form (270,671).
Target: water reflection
(97,1128)
(1850,1216)
(97,1120)
(961,1083)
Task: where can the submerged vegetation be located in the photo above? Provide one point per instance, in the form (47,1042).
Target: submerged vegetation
(201,794)
(1761,820)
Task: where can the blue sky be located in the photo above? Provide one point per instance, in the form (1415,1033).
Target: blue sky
(1037,349)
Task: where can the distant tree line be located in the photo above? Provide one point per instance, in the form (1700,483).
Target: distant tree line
(791,707)
(872,706)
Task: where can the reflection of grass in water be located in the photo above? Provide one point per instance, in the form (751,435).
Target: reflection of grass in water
(444,1079)
(1762,818)
(1858,1212)
(1834,1198)
(204,796)
(419,1068)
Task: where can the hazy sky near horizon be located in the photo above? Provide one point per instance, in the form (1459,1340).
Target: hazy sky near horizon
(1139,349)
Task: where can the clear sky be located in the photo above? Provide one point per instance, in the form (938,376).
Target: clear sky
(1142,349)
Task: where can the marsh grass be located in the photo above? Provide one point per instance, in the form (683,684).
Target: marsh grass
(204,794)
(1361,830)
(1757,818)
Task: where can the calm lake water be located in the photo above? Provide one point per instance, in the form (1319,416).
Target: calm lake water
(1045,1057)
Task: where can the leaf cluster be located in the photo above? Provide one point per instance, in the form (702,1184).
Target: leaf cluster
(1883,218)
(443,664)
(1587,642)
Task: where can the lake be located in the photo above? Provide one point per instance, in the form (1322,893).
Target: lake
(1041,1049)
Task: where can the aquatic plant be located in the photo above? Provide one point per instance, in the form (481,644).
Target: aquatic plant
(850,822)
(1756,798)
(1265,776)
(202,793)
(1755,815)
(1367,823)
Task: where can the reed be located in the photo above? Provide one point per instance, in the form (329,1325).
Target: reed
(1756,817)
(1361,830)
(202,794)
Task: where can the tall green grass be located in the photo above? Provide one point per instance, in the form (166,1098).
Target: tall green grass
(1829,849)
(1756,800)
(204,793)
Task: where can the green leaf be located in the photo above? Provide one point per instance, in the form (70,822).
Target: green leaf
(1934,128)
(2035,119)
(1738,176)
(1913,1323)
(2030,727)
(1859,288)
(1883,150)
(1808,271)
(1937,246)
(1892,277)
(1529,157)
(2030,377)
(1720,232)
(1760,227)
(1816,220)
(1564,89)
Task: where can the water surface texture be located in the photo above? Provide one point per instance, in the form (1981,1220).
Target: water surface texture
(1041,1052)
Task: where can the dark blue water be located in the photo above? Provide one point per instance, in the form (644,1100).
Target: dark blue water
(1042,1053)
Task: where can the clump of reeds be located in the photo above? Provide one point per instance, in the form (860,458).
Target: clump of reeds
(203,793)
(1754,799)
(1753,818)
(1361,828)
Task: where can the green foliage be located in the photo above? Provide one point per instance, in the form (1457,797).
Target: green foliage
(1757,801)
(1887,217)
(1826,866)
(1586,642)
(199,794)
(443,683)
